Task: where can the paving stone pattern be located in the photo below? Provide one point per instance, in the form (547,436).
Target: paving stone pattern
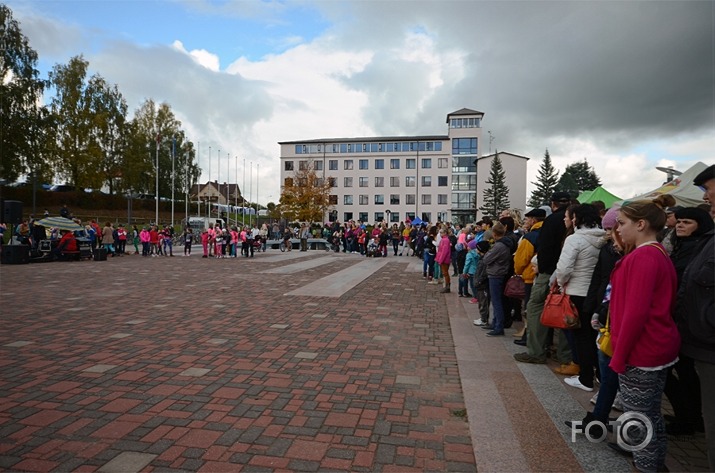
(202,364)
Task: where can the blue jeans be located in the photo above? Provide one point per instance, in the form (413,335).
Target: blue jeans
(466,286)
(609,388)
(425,263)
(496,291)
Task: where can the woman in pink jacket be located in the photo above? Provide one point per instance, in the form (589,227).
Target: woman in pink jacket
(644,336)
(444,258)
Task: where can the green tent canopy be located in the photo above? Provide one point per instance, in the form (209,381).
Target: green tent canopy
(598,194)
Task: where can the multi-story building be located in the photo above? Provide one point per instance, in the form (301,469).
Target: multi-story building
(395,178)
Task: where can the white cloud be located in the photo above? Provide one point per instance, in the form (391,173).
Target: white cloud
(201,56)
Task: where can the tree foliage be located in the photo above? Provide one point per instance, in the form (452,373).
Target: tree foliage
(305,197)
(584,175)
(23,118)
(567,184)
(496,196)
(546,181)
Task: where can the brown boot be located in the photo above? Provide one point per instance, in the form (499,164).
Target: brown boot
(568,370)
(445,289)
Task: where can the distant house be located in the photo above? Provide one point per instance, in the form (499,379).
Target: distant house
(214,192)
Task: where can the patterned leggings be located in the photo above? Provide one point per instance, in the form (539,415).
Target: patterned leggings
(642,392)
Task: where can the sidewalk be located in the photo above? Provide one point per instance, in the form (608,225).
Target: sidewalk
(286,361)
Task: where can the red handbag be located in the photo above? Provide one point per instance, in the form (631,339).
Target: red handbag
(515,287)
(559,311)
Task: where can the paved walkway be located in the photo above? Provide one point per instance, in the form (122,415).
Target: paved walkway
(285,361)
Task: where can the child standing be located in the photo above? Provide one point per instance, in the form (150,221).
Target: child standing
(188,237)
(481,285)
(466,280)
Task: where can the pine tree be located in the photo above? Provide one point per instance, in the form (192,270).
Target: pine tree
(545,183)
(567,184)
(496,197)
(584,175)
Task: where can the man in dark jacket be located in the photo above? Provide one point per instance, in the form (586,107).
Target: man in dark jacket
(695,314)
(551,238)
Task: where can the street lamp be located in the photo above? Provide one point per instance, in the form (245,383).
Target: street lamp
(388,212)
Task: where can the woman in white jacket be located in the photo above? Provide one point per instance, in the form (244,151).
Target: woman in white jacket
(578,259)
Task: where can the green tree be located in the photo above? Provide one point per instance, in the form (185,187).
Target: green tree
(23,120)
(78,153)
(496,196)
(567,184)
(546,181)
(305,197)
(584,175)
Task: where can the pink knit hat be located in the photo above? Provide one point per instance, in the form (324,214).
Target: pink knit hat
(609,220)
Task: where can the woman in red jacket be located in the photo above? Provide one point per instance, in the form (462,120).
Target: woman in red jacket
(644,336)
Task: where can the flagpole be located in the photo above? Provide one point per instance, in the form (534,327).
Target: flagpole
(243,204)
(156,197)
(208,205)
(258,166)
(173,158)
(228,188)
(186,177)
(236,193)
(250,193)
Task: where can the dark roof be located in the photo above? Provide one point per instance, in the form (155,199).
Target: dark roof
(371,139)
(504,152)
(464,111)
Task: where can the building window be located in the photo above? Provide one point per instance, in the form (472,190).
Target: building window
(298,149)
(464,182)
(464,146)
(348,182)
(380,181)
(333,165)
(394,217)
(410,199)
(347,216)
(363,182)
(379,217)
(394,182)
(379,199)
(333,182)
(410,181)
(302,165)
(426,216)
(289,165)
(426,181)
(442,199)
(288,182)
(364,199)
(426,199)
(379,164)
(394,199)
(362,216)
(348,164)
(362,164)
(443,163)
(411,163)
(302,182)
(442,181)
(318,165)
(319,182)
(426,163)
(348,200)
(394,164)
(463,164)
(333,199)
(410,215)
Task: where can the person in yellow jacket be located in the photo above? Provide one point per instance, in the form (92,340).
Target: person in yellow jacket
(525,251)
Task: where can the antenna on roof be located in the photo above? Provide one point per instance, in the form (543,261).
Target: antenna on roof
(670,172)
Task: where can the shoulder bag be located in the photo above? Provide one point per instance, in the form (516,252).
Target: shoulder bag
(559,311)
(515,287)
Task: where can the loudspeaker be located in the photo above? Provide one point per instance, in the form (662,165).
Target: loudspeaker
(12,212)
(15,254)
(100,254)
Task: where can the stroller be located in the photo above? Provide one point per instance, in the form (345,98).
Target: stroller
(372,248)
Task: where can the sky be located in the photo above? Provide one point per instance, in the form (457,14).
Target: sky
(627,85)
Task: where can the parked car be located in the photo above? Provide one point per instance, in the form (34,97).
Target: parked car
(62,188)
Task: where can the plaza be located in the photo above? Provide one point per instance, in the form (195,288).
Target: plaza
(287,361)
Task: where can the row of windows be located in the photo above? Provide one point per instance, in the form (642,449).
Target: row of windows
(406,146)
(465,123)
(464,146)
(379,199)
(393,217)
(410,181)
(364,164)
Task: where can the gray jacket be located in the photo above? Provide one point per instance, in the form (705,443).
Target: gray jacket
(499,259)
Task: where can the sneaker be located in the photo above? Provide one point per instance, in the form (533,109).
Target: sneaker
(618,403)
(473,300)
(488,327)
(574,382)
(526,358)
(479,322)
(594,399)
(494,333)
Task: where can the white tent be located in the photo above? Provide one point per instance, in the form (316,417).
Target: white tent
(682,188)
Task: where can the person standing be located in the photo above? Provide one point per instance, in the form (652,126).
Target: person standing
(108,238)
(695,313)
(644,336)
(549,244)
(304,234)
(444,258)
(498,261)
(135,239)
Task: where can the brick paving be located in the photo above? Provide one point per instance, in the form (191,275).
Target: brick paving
(202,364)
(144,364)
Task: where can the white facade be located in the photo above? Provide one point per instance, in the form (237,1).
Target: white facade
(515,171)
(433,177)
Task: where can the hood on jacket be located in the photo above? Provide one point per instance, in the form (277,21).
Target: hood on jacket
(593,236)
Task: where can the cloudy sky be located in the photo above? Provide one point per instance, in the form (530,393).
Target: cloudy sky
(627,85)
